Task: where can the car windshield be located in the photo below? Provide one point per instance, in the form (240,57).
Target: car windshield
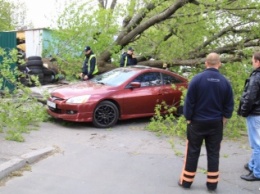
(115,77)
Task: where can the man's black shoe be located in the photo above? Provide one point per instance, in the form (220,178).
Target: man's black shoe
(211,187)
(182,185)
(211,190)
(249,177)
(247,167)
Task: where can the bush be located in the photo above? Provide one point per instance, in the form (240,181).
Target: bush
(19,111)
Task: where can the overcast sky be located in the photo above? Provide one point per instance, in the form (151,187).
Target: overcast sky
(40,12)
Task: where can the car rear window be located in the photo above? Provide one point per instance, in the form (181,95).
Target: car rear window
(168,79)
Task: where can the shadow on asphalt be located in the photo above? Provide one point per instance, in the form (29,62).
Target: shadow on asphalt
(84,126)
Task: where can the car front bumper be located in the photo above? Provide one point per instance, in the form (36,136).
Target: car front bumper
(70,112)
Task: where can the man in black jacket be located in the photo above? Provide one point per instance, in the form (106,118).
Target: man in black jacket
(128,58)
(249,107)
(89,68)
(208,104)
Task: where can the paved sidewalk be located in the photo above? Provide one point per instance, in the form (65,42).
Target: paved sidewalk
(234,155)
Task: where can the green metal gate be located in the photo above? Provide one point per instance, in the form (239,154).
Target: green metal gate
(7,42)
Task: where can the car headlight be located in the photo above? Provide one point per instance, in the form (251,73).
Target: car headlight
(78,99)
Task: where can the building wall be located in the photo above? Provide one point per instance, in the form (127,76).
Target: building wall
(8,43)
(47,38)
(37,42)
(34,42)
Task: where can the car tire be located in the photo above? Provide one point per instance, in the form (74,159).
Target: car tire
(40,77)
(47,79)
(21,68)
(47,71)
(105,115)
(24,80)
(34,63)
(33,70)
(34,58)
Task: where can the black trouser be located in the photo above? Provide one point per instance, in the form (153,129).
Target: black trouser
(212,133)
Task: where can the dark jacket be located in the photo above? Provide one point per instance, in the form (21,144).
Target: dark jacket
(85,69)
(127,60)
(250,100)
(209,97)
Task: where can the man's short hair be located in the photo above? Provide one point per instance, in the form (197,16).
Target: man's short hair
(213,59)
(257,56)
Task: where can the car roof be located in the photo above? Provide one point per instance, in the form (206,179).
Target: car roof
(143,67)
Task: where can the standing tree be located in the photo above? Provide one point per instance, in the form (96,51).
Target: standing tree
(6,15)
(12,15)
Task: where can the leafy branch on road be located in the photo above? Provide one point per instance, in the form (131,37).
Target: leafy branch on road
(20,112)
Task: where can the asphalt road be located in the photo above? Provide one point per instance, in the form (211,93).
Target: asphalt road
(125,159)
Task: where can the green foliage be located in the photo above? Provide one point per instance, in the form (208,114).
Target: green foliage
(165,120)
(236,73)
(12,15)
(20,112)
(195,29)
(5,15)
(78,27)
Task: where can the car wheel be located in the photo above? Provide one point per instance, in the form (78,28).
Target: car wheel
(105,115)
(34,63)
(34,70)
(34,58)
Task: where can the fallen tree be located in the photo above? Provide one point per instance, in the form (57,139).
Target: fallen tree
(179,32)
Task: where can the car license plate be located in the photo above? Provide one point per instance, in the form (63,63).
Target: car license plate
(51,104)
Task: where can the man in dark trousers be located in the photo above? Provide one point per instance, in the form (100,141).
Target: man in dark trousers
(89,68)
(249,107)
(128,58)
(208,104)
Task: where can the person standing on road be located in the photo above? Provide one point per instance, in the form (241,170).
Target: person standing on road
(208,104)
(89,68)
(128,58)
(249,107)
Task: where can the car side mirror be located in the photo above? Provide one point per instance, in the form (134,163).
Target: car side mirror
(135,84)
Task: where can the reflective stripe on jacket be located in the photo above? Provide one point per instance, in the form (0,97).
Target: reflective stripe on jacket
(96,67)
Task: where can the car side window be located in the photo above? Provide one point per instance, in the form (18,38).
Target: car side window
(169,79)
(149,79)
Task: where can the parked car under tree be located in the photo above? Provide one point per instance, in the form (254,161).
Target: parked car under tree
(122,93)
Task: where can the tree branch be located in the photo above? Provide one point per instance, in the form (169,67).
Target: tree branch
(153,20)
(113,4)
(101,4)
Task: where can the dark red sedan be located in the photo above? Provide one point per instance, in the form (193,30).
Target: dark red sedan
(122,93)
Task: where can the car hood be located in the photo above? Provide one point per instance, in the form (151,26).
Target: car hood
(80,89)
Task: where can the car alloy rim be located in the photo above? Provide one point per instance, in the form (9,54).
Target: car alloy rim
(105,115)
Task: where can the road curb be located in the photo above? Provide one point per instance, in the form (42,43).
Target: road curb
(19,162)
